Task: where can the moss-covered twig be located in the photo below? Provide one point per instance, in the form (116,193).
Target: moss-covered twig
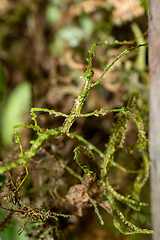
(116,141)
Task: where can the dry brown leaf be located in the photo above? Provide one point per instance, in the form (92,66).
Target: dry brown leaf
(78,196)
(84,6)
(125,10)
(4,7)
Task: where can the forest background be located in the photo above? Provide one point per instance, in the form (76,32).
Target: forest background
(43,51)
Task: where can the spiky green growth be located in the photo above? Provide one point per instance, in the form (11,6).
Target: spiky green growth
(116,141)
(77,151)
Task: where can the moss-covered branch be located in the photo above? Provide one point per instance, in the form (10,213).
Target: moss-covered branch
(116,141)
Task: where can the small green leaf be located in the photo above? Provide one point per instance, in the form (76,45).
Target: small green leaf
(53,14)
(15,111)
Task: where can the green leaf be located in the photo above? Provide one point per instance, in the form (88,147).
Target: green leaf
(15,111)
(52,14)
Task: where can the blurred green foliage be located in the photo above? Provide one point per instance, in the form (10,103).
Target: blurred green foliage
(11,231)
(15,111)
(34,71)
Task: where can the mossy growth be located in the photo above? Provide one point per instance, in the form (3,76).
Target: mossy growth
(42,221)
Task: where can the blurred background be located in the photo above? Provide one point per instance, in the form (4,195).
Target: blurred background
(43,51)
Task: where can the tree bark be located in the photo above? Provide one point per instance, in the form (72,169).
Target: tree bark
(154,118)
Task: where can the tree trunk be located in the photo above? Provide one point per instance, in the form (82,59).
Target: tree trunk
(154,125)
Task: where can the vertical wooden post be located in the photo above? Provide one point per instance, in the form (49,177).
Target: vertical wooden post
(154,125)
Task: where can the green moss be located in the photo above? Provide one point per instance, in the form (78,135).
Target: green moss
(116,141)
